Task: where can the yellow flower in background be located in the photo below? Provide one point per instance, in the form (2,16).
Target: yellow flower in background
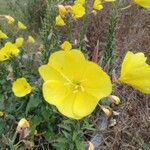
(62,10)
(1,113)
(73,84)
(31,39)
(78,11)
(97,5)
(21,25)
(66,46)
(19,42)
(143,3)
(9,19)
(110,0)
(21,87)
(59,21)
(3,35)
(136,72)
(81,2)
(23,123)
(8,50)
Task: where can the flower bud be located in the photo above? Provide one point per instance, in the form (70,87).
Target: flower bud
(23,123)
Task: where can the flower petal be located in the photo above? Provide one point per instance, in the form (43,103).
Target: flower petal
(54,92)
(84,104)
(96,81)
(49,73)
(69,63)
(135,72)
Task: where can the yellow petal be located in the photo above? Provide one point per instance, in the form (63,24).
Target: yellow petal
(136,72)
(21,87)
(84,104)
(81,2)
(59,21)
(62,10)
(19,42)
(143,3)
(78,11)
(66,46)
(54,92)
(31,39)
(9,19)
(23,123)
(68,64)
(97,5)
(96,81)
(49,73)
(3,35)
(21,25)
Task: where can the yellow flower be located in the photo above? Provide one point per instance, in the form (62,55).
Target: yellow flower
(66,46)
(3,35)
(19,42)
(81,2)
(97,5)
(9,19)
(23,123)
(31,39)
(62,10)
(21,87)
(136,72)
(78,11)
(110,0)
(8,50)
(73,84)
(1,114)
(21,25)
(143,3)
(59,21)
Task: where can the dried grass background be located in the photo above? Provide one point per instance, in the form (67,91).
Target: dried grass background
(132,131)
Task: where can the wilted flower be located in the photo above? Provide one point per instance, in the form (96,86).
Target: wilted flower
(21,25)
(3,35)
(115,99)
(23,123)
(21,87)
(66,46)
(136,72)
(97,5)
(143,3)
(62,10)
(9,19)
(19,42)
(31,39)
(73,84)
(94,12)
(59,21)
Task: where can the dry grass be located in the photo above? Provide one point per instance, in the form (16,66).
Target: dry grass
(132,131)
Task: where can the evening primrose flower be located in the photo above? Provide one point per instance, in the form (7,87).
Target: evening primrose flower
(9,19)
(136,72)
(81,2)
(62,10)
(8,50)
(143,3)
(97,5)
(3,35)
(21,87)
(73,84)
(23,123)
(66,46)
(21,26)
(78,11)
(31,40)
(19,42)
(59,21)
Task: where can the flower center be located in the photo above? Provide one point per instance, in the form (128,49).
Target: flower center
(77,86)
